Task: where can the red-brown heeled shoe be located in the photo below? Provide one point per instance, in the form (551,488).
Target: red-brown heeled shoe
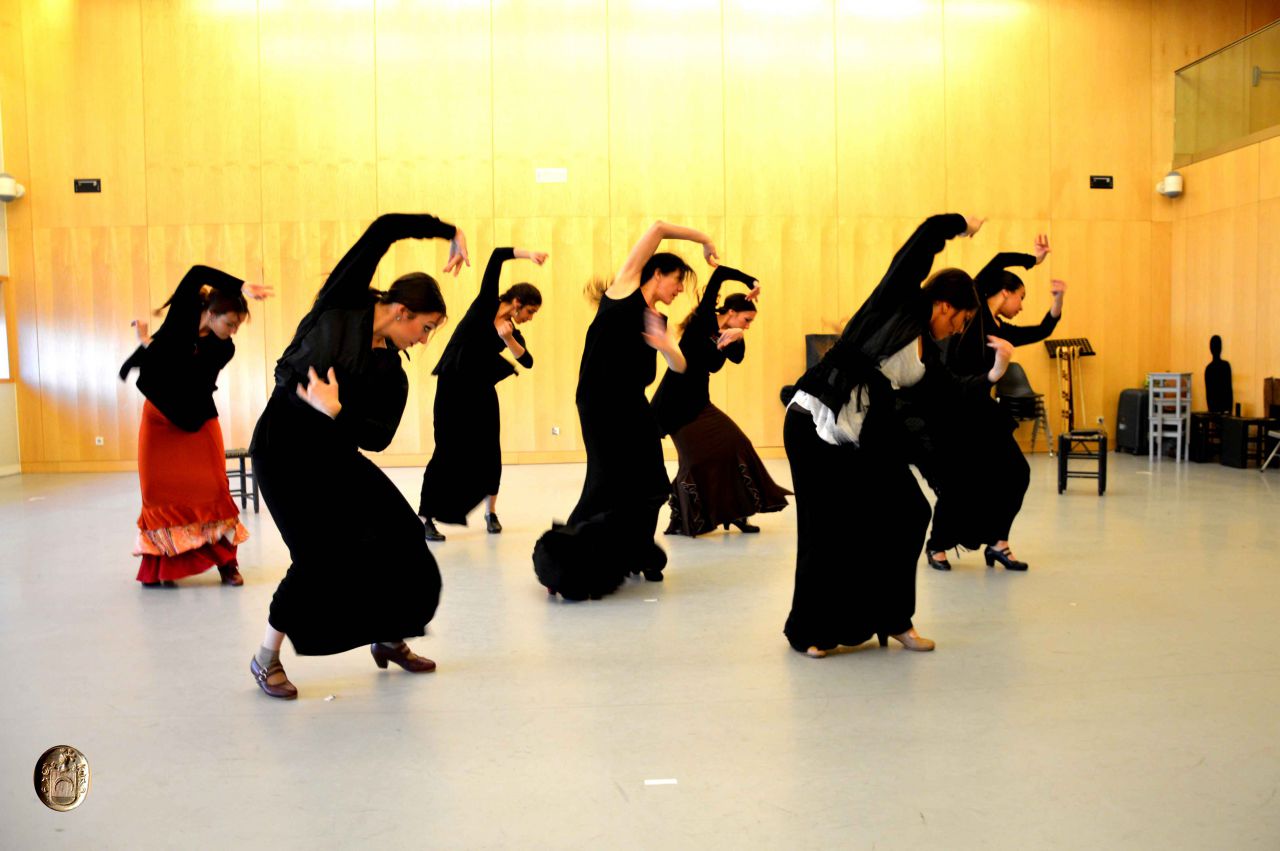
(230,575)
(402,656)
(282,688)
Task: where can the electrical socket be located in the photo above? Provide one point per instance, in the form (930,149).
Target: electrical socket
(555,431)
(98,441)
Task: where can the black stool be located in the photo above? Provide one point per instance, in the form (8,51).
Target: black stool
(1244,440)
(1206,437)
(245,477)
(1088,445)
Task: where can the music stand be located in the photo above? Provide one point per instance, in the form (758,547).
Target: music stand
(1087,444)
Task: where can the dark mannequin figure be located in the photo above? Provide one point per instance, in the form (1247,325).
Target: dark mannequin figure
(1217,379)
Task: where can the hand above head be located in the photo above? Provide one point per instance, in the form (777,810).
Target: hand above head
(1041,249)
(728,337)
(754,295)
(320,394)
(257,292)
(538,257)
(709,253)
(973,224)
(1057,287)
(457,253)
(140,328)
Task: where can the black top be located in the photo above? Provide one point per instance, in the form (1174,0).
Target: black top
(338,333)
(968,353)
(178,370)
(681,396)
(896,312)
(615,358)
(475,349)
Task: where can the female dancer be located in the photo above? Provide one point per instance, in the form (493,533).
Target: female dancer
(721,478)
(983,481)
(189,521)
(860,516)
(466,465)
(361,572)
(610,532)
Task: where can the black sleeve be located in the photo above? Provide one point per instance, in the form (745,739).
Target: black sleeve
(373,427)
(1024,336)
(735,351)
(181,325)
(348,284)
(526,359)
(718,277)
(911,265)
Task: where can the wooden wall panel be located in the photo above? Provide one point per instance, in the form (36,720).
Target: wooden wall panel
(435,108)
(200,95)
(318,101)
(778,154)
(996,108)
(666,110)
(84,78)
(892,161)
(1269,169)
(237,250)
(1220,183)
(1261,13)
(550,107)
(1099,109)
(1266,355)
(91,282)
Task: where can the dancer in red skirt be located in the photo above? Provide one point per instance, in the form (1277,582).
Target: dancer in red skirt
(189,522)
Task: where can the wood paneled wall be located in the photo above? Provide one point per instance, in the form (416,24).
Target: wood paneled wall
(807,137)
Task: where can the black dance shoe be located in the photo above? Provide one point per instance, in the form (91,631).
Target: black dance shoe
(992,555)
(430,530)
(743,526)
(491,524)
(937,563)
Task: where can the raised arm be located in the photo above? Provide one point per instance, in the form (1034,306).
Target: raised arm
(712,292)
(914,259)
(348,284)
(181,324)
(1019,335)
(628,278)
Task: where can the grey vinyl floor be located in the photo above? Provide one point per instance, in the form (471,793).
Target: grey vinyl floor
(1125,693)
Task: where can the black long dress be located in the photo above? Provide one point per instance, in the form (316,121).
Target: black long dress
(984,477)
(609,535)
(721,478)
(860,515)
(466,465)
(361,571)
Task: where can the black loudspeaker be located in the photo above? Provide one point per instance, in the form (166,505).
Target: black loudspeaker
(1131,422)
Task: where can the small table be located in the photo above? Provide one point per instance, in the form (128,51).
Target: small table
(1088,445)
(1206,436)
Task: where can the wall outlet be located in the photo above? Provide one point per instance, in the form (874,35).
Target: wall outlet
(98,441)
(555,431)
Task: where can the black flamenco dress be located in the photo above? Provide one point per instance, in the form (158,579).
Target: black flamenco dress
(361,571)
(721,477)
(609,535)
(466,465)
(860,515)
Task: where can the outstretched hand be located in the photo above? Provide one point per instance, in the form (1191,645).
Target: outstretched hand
(257,292)
(973,224)
(140,328)
(538,257)
(709,254)
(457,254)
(1042,248)
(321,394)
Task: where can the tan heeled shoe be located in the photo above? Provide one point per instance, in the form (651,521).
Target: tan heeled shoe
(910,639)
(815,653)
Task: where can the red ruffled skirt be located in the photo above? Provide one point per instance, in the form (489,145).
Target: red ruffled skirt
(189,522)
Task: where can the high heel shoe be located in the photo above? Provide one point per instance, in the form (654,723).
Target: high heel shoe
(910,639)
(491,524)
(230,575)
(937,563)
(743,526)
(430,531)
(402,656)
(281,688)
(992,555)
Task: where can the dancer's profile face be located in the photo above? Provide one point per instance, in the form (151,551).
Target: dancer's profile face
(669,285)
(223,325)
(524,312)
(948,320)
(410,329)
(1012,304)
(739,319)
